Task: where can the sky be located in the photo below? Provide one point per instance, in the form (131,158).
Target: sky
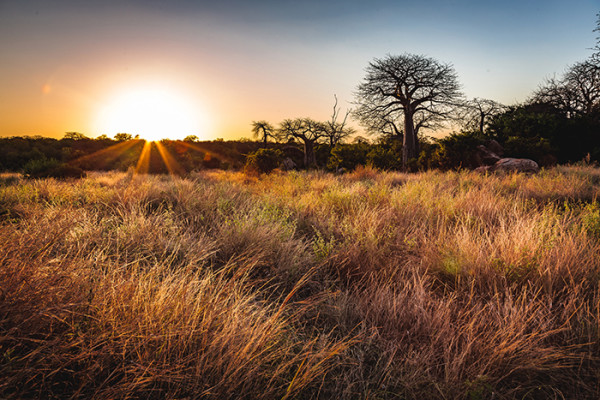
(210,68)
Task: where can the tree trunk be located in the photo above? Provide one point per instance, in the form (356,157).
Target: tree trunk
(481,122)
(309,154)
(409,142)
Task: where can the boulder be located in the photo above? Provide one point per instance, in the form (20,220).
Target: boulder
(287,164)
(495,147)
(511,165)
(487,156)
(516,165)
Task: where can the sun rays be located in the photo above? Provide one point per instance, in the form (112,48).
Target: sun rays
(169,161)
(143,164)
(147,156)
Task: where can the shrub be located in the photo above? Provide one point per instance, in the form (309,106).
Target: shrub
(458,150)
(51,168)
(348,156)
(263,160)
(40,167)
(384,158)
(535,148)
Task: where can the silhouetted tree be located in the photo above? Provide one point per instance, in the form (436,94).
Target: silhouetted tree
(596,55)
(308,131)
(576,93)
(263,130)
(191,138)
(122,137)
(74,136)
(418,90)
(335,130)
(475,113)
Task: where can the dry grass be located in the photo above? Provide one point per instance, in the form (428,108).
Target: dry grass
(301,285)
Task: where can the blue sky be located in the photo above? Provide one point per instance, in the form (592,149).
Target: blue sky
(238,61)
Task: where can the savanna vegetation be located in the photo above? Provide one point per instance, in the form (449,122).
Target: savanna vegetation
(301,285)
(304,264)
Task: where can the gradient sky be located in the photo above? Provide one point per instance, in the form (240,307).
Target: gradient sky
(64,64)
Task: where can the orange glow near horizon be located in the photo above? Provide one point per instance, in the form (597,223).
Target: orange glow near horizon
(152,113)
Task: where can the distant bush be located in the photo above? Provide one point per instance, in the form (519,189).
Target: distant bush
(348,156)
(458,150)
(51,168)
(210,161)
(40,167)
(535,148)
(67,171)
(384,158)
(263,160)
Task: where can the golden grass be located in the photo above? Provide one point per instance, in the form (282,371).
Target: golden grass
(301,285)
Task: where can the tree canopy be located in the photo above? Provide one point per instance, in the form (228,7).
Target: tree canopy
(409,90)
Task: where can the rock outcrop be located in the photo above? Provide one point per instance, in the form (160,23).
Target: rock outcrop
(489,158)
(511,165)
(486,156)
(287,164)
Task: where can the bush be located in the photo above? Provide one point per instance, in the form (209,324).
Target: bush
(348,156)
(51,168)
(535,148)
(263,160)
(384,158)
(40,167)
(458,150)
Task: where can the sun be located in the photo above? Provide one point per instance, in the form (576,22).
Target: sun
(153,114)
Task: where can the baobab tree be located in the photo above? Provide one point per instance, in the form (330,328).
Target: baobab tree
(263,130)
(417,90)
(308,131)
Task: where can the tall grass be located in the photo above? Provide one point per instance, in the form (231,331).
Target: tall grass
(301,285)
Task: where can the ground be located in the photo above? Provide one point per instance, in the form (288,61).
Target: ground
(301,285)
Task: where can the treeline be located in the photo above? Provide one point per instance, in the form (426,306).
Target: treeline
(75,153)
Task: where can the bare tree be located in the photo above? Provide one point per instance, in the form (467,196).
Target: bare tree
(263,130)
(336,130)
(476,112)
(418,90)
(308,131)
(577,92)
(379,120)
(596,56)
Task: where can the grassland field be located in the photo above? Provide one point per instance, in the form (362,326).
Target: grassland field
(301,285)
